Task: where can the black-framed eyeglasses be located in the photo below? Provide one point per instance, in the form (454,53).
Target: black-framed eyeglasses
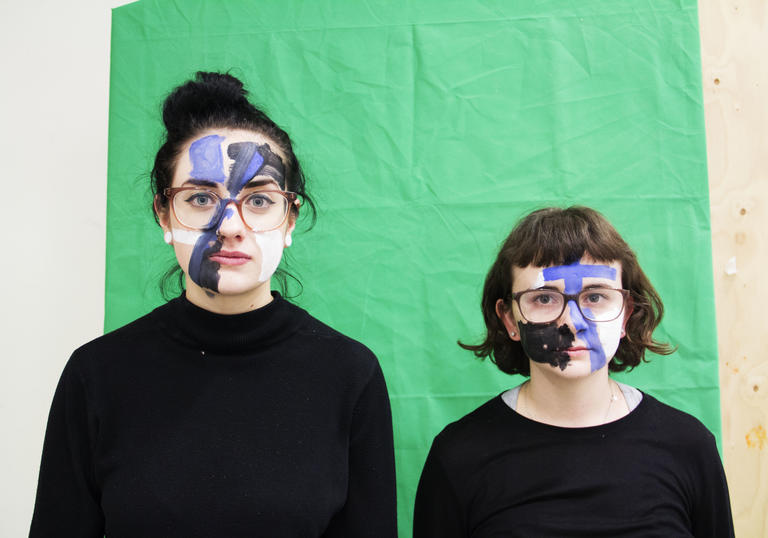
(201,209)
(595,304)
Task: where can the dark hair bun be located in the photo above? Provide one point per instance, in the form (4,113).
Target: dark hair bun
(207,99)
(218,101)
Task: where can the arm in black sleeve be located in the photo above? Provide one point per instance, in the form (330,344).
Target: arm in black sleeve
(711,515)
(438,513)
(67,503)
(370,509)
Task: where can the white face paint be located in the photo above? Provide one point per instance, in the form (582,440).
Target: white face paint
(271,245)
(184,236)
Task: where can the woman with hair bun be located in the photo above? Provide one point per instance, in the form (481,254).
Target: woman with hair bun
(227,412)
(571,452)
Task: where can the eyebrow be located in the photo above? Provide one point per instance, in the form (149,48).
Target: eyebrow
(202,183)
(587,287)
(260,183)
(553,288)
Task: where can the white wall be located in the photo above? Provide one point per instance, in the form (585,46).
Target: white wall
(53,167)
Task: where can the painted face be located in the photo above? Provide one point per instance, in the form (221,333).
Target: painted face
(227,257)
(571,344)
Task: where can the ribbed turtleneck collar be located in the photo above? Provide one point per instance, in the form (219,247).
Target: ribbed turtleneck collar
(231,333)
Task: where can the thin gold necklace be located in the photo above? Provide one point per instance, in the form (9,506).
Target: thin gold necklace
(613,397)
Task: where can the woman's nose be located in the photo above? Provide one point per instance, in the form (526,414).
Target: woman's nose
(231,224)
(573,318)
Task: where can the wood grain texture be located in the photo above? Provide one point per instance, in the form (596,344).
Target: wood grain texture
(734,40)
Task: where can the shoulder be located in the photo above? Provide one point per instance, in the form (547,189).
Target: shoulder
(327,343)
(462,451)
(122,342)
(471,433)
(147,326)
(679,427)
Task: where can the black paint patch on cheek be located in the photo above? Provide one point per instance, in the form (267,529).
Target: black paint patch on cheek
(208,270)
(545,343)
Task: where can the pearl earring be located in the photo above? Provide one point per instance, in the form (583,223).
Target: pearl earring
(512,333)
(168,237)
(288,240)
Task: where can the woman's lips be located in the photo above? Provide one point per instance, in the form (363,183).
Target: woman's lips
(575,350)
(229,257)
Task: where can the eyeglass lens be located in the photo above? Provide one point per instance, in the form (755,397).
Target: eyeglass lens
(597,304)
(201,208)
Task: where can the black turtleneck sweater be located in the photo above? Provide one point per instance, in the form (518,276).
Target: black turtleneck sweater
(192,424)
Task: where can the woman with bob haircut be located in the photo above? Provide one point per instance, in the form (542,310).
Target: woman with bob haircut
(571,452)
(227,412)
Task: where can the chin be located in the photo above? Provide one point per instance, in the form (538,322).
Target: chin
(575,369)
(239,286)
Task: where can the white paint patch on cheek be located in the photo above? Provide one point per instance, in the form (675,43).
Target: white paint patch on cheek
(187,237)
(271,245)
(609,334)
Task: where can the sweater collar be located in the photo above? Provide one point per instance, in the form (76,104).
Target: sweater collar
(229,333)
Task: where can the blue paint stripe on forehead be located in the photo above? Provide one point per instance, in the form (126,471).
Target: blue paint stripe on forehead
(247,163)
(253,167)
(207,159)
(574,274)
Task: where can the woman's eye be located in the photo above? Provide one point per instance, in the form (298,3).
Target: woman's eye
(258,201)
(201,199)
(594,298)
(544,299)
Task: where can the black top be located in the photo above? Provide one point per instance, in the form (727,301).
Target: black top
(654,472)
(193,424)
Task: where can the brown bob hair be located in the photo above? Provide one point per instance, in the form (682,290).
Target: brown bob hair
(555,236)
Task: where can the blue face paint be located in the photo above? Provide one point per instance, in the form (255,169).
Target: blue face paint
(254,159)
(247,163)
(250,159)
(579,322)
(575,273)
(206,158)
(573,276)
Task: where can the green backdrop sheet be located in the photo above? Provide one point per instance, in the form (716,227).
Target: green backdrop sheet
(427,128)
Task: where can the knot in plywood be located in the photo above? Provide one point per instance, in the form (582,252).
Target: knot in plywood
(756,438)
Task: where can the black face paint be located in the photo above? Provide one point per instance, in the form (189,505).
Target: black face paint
(251,159)
(202,270)
(546,343)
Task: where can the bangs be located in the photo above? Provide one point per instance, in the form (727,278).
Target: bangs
(557,236)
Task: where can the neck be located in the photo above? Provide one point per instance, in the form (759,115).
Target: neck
(572,402)
(229,304)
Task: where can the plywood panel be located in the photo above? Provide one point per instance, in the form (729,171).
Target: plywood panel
(734,37)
